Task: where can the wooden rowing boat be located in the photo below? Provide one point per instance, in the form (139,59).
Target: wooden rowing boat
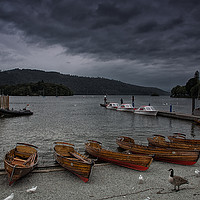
(73,161)
(20,161)
(197,121)
(181,138)
(137,162)
(176,156)
(159,141)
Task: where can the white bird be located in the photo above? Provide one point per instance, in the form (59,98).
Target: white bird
(197,172)
(31,190)
(148,198)
(10,197)
(141,179)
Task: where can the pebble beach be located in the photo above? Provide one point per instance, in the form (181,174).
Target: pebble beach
(107,181)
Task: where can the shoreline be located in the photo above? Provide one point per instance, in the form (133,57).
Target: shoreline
(107,181)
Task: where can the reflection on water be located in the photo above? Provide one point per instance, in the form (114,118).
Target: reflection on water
(79,118)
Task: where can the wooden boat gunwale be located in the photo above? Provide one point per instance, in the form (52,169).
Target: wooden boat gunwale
(181,138)
(159,141)
(125,160)
(176,156)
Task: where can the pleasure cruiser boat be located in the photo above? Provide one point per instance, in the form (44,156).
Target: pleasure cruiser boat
(126,107)
(112,106)
(146,110)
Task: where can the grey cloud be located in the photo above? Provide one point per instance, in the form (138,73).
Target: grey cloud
(132,30)
(147,27)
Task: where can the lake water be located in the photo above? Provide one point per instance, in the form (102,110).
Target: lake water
(75,119)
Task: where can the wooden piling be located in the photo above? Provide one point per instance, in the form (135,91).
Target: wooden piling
(4,102)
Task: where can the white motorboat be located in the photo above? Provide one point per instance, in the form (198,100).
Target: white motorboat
(146,110)
(112,106)
(126,107)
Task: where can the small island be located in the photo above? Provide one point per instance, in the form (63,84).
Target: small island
(36,89)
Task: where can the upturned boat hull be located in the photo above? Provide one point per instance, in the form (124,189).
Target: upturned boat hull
(137,162)
(176,156)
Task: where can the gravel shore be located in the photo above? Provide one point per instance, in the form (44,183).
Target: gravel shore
(107,181)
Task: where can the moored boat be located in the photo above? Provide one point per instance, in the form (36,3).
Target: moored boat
(19,161)
(176,156)
(181,138)
(14,113)
(137,162)
(112,106)
(159,141)
(73,161)
(103,104)
(125,107)
(146,110)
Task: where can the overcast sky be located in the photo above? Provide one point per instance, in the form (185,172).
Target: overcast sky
(142,42)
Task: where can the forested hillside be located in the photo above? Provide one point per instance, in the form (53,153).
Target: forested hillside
(78,85)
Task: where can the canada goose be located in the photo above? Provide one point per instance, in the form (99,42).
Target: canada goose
(176,180)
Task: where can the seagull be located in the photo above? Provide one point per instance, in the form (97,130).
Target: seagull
(141,179)
(197,172)
(176,180)
(31,190)
(10,197)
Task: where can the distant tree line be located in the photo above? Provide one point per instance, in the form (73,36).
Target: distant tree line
(78,84)
(36,89)
(191,89)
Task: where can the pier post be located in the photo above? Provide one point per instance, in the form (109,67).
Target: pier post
(170,108)
(4,102)
(133,104)
(193,105)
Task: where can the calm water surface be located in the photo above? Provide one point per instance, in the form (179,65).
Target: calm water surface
(79,118)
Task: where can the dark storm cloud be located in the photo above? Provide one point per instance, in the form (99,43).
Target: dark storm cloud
(164,33)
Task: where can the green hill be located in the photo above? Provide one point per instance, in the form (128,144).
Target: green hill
(78,85)
(36,89)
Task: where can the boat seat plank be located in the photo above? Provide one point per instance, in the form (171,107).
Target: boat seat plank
(32,158)
(22,153)
(18,161)
(28,160)
(79,157)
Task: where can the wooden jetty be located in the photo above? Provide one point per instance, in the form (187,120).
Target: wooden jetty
(176,115)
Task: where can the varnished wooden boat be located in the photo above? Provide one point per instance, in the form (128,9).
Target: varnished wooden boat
(159,141)
(197,121)
(181,138)
(137,162)
(176,156)
(73,161)
(20,161)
